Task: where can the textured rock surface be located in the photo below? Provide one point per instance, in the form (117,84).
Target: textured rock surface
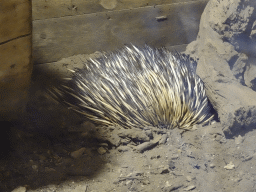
(225,47)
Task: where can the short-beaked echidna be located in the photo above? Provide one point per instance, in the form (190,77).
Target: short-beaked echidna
(138,87)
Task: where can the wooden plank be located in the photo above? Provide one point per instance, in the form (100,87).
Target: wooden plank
(15,56)
(14,18)
(43,9)
(58,38)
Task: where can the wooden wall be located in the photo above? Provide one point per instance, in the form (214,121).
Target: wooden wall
(15,56)
(69,27)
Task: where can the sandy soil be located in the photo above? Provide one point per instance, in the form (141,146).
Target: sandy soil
(58,151)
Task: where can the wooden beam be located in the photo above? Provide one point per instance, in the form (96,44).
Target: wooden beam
(43,9)
(58,38)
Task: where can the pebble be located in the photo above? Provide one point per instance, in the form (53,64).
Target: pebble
(144,146)
(239,139)
(125,141)
(114,140)
(211,165)
(123,148)
(78,153)
(229,166)
(161,18)
(168,184)
(189,178)
(164,171)
(171,165)
(149,133)
(19,189)
(103,144)
(189,188)
(134,134)
(35,167)
(163,139)
(172,188)
(147,145)
(101,150)
(145,182)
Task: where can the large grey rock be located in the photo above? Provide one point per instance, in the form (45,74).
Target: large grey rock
(224,49)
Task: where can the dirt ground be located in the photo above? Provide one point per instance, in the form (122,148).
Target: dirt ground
(57,150)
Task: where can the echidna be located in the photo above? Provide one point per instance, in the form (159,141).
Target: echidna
(138,87)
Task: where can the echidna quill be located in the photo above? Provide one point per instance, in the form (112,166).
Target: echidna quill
(138,87)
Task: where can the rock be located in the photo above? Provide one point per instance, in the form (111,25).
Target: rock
(171,165)
(225,48)
(229,166)
(164,171)
(239,139)
(163,139)
(78,153)
(189,188)
(19,189)
(101,150)
(189,178)
(172,188)
(114,140)
(149,133)
(123,148)
(241,121)
(134,134)
(145,146)
(148,145)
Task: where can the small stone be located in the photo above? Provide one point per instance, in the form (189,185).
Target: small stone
(229,166)
(171,165)
(239,139)
(35,167)
(128,183)
(134,134)
(161,18)
(155,157)
(189,188)
(189,178)
(149,133)
(163,139)
(114,140)
(125,141)
(80,187)
(103,144)
(164,171)
(123,148)
(19,189)
(145,182)
(145,146)
(101,150)
(78,153)
(211,165)
(167,184)
(172,188)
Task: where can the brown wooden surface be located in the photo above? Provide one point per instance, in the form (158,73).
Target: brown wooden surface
(58,38)
(15,56)
(14,16)
(43,9)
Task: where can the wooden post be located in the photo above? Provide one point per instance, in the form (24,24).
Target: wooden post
(15,56)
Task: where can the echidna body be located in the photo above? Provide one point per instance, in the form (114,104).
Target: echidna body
(136,87)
